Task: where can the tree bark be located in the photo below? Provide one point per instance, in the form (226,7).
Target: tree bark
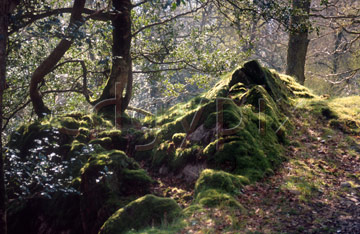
(119,85)
(4,24)
(298,39)
(47,65)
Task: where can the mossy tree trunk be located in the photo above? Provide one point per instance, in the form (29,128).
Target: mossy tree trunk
(48,64)
(119,85)
(298,39)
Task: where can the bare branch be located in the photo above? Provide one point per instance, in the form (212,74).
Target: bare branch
(169,19)
(139,4)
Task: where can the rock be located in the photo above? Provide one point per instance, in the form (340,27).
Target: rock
(106,179)
(191,172)
(145,211)
(201,134)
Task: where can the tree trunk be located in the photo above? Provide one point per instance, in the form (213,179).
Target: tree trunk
(298,40)
(336,58)
(4,24)
(119,85)
(47,65)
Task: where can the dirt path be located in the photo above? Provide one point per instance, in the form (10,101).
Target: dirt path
(316,191)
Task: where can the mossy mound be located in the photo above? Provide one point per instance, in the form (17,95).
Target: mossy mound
(221,180)
(217,198)
(239,125)
(218,188)
(145,211)
(120,173)
(341,113)
(74,153)
(107,180)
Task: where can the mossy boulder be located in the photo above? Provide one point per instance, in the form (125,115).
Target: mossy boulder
(242,120)
(217,198)
(106,179)
(251,150)
(220,180)
(218,188)
(145,211)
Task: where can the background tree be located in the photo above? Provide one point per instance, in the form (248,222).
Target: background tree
(298,39)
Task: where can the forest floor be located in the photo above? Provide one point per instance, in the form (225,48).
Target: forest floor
(317,190)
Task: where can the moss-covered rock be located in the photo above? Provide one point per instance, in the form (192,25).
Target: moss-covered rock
(217,198)
(220,180)
(241,121)
(143,212)
(178,138)
(218,188)
(106,179)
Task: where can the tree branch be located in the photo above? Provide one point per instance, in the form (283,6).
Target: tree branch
(31,18)
(48,64)
(169,19)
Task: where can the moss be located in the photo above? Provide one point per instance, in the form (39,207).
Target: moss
(182,157)
(212,179)
(218,188)
(216,198)
(178,138)
(228,115)
(143,212)
(321,108)
(142,139)
(107,179)
(297,89)
(69,122)
(163,154)
(248,135)
(104,142)
(247,149)
(76,149)
(121,173)
(112,139)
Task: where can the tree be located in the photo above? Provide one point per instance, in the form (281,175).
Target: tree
(6,8)
(119,84)
(298,39)
(48,64)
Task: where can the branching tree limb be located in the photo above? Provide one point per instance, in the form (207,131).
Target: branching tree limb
(47,65)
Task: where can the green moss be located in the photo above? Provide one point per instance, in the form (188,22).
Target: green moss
(178,138)
(69,122)
(145,211)
(182,157)
(212,179)
(321,108)
(77,148)
(122,174)
(104,142)
(248,149)
(163,154)
(112,139)
(216,198)
(296,89)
